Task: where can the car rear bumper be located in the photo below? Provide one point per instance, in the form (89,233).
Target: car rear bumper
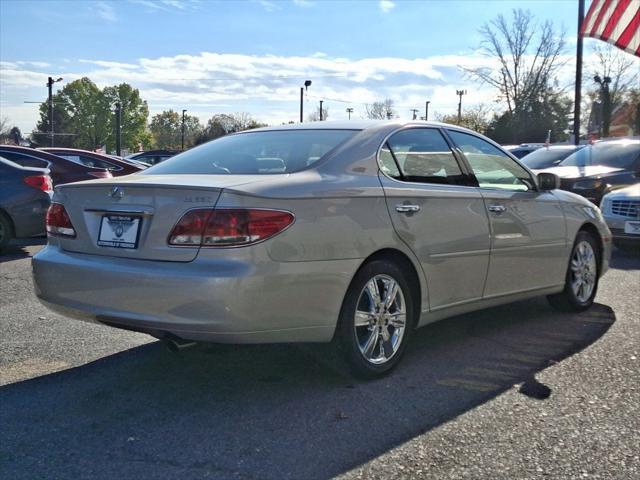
(227,300)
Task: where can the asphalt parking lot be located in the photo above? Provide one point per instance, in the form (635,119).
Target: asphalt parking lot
(508,393)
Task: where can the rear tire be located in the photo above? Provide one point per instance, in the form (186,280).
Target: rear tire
(6,230)
(376,319)
(581,283)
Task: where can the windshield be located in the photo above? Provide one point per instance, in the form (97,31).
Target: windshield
(267,152)
(546,157)
(609,154)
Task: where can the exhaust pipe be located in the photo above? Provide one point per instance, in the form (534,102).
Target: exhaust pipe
(175,344)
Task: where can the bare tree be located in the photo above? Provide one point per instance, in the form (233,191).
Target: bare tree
(380,110)
(315,116)
(526,57)
(475,117)
(623,70)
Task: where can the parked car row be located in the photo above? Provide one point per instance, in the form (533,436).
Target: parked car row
(28,175)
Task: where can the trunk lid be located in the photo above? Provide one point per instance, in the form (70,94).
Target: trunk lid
(150,204)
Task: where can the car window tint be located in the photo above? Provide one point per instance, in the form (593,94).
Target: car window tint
(610,154)
(492,167)
(546,157)
(25,160)
(387,163)
(88,161)
(266,152)
(422,155)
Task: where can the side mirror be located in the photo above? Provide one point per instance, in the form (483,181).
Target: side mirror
(548,181)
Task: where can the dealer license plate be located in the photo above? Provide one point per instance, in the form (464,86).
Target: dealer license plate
(632,227)
(120,231)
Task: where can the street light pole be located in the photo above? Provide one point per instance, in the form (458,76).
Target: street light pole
(50,83)
(320,110)
(118,129)
(426,110)
(183,112)
(460,93)
(307,84)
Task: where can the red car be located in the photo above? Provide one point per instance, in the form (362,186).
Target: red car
(92,159)
(61,169)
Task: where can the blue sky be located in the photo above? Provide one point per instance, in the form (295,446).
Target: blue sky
(253,56)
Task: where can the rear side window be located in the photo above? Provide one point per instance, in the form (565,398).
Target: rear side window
(89,161)
(267,152)
(25,160)
(420,155)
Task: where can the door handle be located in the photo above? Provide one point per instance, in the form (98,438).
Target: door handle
(497,208)
(407,208)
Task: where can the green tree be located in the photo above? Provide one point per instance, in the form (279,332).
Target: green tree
(83,117)
(166,130)
(134,116)
(225,123)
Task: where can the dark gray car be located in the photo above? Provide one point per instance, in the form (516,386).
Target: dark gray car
(25,196)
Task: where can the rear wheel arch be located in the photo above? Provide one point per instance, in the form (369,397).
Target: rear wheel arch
(400,259)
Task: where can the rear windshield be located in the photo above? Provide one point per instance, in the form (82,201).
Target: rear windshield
(614,155)
(267,152)
(546,157)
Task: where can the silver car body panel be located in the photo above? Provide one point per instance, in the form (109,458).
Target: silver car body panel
(290,288)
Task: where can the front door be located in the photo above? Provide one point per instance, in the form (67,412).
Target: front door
(437,213)
(528,236)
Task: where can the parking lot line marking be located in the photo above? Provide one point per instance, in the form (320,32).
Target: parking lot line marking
(488,373)
(468,384)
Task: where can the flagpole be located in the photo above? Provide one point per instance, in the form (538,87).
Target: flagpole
(576,107)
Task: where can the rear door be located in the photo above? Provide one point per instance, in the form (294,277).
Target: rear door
(528,232)
(437,213)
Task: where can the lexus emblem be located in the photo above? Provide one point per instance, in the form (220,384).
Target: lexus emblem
(116,192)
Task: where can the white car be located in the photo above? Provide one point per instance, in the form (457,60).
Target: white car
(621,210)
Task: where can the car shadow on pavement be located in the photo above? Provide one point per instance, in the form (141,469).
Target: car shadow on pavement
(17,249)
(278,411)
(625,259)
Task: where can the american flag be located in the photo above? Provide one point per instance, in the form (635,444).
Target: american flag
(616,22)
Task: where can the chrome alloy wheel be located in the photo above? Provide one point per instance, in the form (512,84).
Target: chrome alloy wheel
(380,319)
(584,271)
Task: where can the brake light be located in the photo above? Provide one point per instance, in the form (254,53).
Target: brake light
(228,227)
(41,182)
(101,174)
(58,221)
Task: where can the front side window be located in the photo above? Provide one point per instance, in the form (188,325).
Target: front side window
(420,155)
(266,152)
(492,167)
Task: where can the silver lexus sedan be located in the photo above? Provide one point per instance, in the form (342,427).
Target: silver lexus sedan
(354,233)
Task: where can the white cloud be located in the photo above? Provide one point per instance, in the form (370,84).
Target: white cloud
(386,5)
(106,11)
(268,86)
(268,5)
(303,3)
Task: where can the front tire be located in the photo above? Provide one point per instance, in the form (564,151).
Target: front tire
(581,282)
(376,319)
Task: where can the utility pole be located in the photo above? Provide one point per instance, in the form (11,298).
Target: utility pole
(426,110)
(389,114)
(578,91)
(118,129)
(307,84)
(460,93)
(320,110)
(50,83)
(349,111)
(183,112)
(415,113)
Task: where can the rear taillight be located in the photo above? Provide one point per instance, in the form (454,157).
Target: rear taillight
(101,174)
(41,182)
(58,222)
(228,227)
